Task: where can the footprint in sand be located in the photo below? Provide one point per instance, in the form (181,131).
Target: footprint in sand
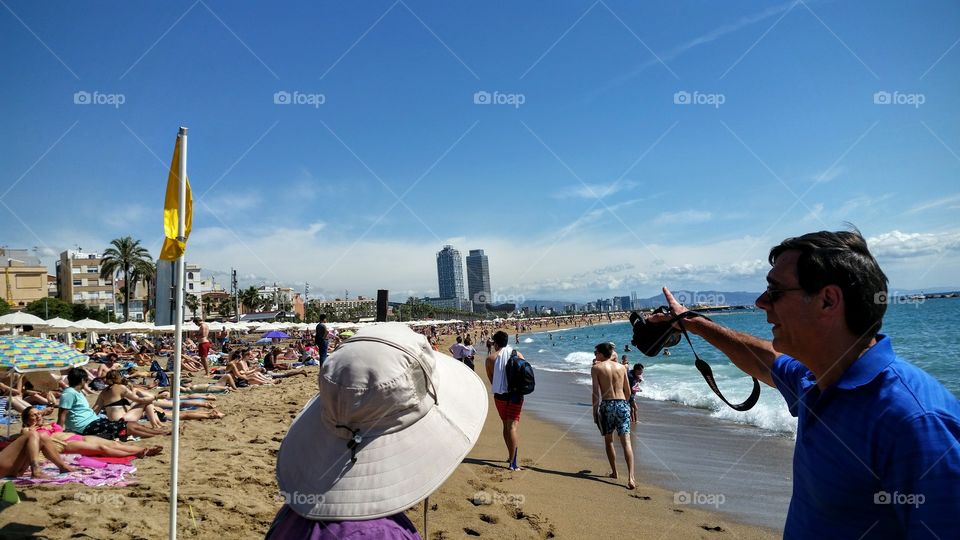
(487,518)
(470,532)
(641,497)
(714,529)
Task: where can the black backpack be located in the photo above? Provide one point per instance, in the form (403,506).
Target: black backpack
(520,378)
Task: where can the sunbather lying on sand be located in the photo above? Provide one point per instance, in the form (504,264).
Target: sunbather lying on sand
(25,452)
(72,443)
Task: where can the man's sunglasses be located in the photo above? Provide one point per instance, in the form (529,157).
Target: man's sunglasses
(777,294)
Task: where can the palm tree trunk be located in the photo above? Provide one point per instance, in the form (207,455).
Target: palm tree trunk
(126,293)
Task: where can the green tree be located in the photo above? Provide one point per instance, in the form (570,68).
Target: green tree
(4,307)
(125,256)
(146,273)
(190,300)
(48,308)
(83,311)
(209,304)
(250,298)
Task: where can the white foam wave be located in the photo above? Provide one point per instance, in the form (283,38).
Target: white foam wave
(528,340)
(541,350)
(769,413)
(579,358)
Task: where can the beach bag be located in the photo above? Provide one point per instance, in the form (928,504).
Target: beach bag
(520,378)
(162,379)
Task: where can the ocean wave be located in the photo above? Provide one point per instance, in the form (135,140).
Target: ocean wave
(769,413)
(528,340)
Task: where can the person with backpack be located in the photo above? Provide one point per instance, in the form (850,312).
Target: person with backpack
(509,404)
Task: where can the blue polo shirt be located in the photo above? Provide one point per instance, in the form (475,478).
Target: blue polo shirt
(877,453)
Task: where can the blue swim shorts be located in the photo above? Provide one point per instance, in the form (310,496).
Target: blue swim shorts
(614,415)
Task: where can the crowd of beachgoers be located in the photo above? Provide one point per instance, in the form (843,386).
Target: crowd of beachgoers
(122,397)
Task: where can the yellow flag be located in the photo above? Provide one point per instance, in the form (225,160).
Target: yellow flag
(172,248)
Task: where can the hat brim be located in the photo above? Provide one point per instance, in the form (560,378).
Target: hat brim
(393,471)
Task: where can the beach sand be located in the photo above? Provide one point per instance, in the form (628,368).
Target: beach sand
(228,487)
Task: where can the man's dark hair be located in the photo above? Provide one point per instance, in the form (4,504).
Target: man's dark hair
(842,259)
(196,320)
(638,367)
(501,338)
(322,317)
(76,376)
(459,339)
(605,349)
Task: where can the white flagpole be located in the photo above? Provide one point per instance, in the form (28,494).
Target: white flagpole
(178,332)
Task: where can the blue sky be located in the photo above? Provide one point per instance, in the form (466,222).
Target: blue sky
(627,146)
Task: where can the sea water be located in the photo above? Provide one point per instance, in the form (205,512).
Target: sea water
(925,333)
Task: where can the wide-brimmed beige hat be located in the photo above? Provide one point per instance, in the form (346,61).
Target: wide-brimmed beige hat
(391,422)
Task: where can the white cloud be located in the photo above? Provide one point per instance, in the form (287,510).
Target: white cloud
(899,245)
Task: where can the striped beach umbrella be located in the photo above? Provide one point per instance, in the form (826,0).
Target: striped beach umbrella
(24,353)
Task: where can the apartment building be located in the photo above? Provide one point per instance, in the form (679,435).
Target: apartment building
(23,277)
(78,276)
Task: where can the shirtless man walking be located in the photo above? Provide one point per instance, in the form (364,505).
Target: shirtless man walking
(611,412)
(204,344)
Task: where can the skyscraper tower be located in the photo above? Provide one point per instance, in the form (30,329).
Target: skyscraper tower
(450,273)
(478,277)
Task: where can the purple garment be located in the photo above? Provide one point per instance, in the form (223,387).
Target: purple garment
(288,525)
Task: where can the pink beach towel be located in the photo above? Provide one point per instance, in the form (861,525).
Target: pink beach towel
(108,474)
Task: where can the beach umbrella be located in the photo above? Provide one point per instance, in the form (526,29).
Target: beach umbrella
(25,353)
(62,325)
(90,324)
(263,341)
(18,318)
(275,334)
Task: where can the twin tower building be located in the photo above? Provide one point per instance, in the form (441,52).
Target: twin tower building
(450,280)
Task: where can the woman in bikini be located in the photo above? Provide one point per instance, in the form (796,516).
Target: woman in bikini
(72,443)
(117,402)
(25,452)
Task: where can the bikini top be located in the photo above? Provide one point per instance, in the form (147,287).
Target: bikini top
(122,402)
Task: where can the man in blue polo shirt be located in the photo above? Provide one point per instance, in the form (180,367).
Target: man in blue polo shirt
(878,439)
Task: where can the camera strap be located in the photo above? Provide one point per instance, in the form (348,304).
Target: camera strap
(707,372)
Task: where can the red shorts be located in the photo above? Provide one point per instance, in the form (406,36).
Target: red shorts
(204,349)
(507,409)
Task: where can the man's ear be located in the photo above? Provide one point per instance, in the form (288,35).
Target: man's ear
(831,298)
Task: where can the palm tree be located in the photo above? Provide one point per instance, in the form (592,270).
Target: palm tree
(125,256)
(209,304)
(190,300)
(250,298)
(148,274)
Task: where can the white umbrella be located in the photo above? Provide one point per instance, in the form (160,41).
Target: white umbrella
(57,324)
(112,328)
(90,324)
(20,318)
(131,326)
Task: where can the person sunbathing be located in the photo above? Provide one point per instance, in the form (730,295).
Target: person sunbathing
(117,403)
(238,369)
(72,443)
(25,452)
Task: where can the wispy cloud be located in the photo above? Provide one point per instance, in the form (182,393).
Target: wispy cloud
(934,203)
(900,245)
(685,217)
(595,191)
(828,175)
(698,41)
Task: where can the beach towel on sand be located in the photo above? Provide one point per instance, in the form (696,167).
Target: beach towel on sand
(112,474)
